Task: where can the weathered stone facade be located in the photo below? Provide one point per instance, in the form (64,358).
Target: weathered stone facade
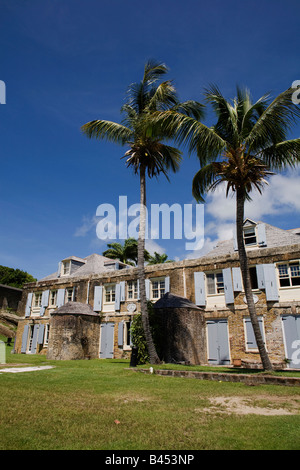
(114,297)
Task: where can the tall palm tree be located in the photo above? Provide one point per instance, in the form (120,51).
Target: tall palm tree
(245,146)
(126,253)
(158,258)
(147,154)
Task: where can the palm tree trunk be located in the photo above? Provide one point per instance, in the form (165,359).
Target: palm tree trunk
(154,359)
(247,282)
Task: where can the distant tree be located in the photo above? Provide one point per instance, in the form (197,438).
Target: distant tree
(158,258)
(14,277)
(127,253)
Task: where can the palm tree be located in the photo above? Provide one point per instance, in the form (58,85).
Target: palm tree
(158,258)
(126,253)
(245,146)
(147,154)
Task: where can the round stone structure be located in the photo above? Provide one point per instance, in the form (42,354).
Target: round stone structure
(183,330)
(74,332)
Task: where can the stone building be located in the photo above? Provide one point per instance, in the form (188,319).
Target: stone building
(216,326)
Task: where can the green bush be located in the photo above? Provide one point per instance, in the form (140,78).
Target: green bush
(138,336)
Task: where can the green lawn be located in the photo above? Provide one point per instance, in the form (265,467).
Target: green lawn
(75,406)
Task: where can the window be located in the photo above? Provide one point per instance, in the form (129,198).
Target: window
(53,298)
(158,288)
(253,278)
(37,299)
(132,290)
(127,339)
(66,268)
(70,294)
(215,283)
(46,335)
(250,236)
(110,293)
(289,274)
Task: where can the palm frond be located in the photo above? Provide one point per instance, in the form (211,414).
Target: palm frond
(274,123)
(107,130)
(205,180)
(282,155)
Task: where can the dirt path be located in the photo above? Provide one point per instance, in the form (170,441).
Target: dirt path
(259,405)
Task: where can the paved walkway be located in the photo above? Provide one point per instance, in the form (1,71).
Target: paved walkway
(14,370)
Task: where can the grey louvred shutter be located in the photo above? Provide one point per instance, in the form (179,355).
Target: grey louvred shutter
(228,289)
(237,279)
(260,276)
(34,338)
(60,297)
(120,334)
(41,334)
(122,291)
(261,234)
(24,339)
(251,340)
(167,284)
(28,304)
(271,282)
(147,287)
(235,245)
(266,279)
(45,301)
(59,269)
(199,282)
(117,297)
(98,291)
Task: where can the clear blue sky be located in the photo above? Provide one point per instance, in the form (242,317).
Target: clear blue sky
(66,62)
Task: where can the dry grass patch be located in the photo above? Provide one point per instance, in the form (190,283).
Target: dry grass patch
(260,405)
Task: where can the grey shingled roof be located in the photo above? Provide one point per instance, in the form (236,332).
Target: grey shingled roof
(275,236)
(94,264)
(75,308)
(170,300)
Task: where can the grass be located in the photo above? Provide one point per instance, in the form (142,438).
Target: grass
(103,405)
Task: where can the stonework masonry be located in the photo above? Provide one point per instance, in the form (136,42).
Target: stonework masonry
(228,322)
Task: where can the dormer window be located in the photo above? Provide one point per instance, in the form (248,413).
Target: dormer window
(66,268)
(254,235)
(250,236)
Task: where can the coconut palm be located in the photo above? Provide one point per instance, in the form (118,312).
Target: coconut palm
(247,144)
(126,253)
(147,154)
(158,258)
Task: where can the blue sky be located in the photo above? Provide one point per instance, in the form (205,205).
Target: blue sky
(66,62)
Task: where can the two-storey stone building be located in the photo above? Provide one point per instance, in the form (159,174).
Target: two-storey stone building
(85,309)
